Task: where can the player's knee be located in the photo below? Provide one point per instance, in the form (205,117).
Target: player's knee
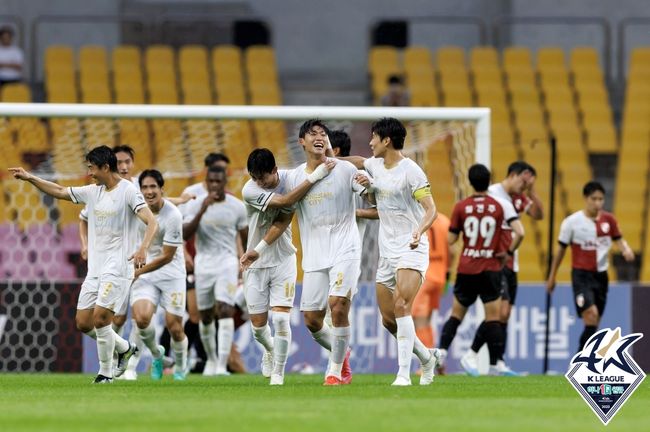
(389,325)
(175,328)
(101,319)
(119,320)
(312,322)
(207,316)
(84,325)
(142,321)
(591,316)
(401,306)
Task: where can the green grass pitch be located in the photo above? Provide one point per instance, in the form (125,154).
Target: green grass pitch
(68,402)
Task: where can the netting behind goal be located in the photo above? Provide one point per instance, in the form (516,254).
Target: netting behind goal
(39,235)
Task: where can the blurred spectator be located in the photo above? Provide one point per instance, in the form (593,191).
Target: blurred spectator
(397,95)
(11,58)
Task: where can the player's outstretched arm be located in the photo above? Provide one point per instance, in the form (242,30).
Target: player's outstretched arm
(430,215)
(357,161)
(185,197)
(369,194)
(146,216)
(298,193)
(280,224)
(165,258)
(369,213)
(625,249)
(45,186)
(555,265)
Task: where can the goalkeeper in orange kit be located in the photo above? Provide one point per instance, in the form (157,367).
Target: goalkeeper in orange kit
(428,298)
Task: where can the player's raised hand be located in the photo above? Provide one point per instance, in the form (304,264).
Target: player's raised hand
(415,240)
(321,171)
(363,180)
(19,173)
(209,200)
(247,259)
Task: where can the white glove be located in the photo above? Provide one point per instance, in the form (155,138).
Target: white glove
(319,173)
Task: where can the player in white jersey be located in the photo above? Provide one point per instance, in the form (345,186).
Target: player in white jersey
(331,249)
(270,261)
(406,211)
(114,207)
(216,218)
(162,280)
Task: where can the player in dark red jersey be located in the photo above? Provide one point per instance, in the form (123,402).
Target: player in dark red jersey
(590,232)
(480,218)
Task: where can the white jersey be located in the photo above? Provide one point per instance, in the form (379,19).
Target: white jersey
(498,191)
(326,217)
(170,233)
(11,54)
(400,213)
(112,226)
(260,219)
(83,214)
(216,236)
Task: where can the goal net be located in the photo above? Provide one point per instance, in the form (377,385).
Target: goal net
(39,235)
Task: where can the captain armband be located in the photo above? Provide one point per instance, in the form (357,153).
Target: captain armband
(423,192)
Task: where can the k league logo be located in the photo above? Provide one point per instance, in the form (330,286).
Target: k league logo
(604,373)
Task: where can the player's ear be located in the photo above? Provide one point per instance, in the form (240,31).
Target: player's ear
(274,171)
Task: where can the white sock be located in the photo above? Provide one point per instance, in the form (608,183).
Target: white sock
(148,336)
(421,351)
(121,344)
(323,337)
(117,329)
(226,335)
(405,343)
(135,339)
(263,336)
(208,333)
(105,348)
(281,341)
(180,354)
(91,333)
(341,341)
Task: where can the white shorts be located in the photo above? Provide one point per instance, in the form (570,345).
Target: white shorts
(387,267)
(339,280)
(220,284)
(125,304)
(267,287)
(169,294)
(109,292)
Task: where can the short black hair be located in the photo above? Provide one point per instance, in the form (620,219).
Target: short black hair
(217,170)
(591,187)
(213,158)
(341,140)
(102,155)
(479,177)
(261,161)
(392,128)
(6,29)
(123,148)
(395,79)
(154,174)
(309,125)
(519,167)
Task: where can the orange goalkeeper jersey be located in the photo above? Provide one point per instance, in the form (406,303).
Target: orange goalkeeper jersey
(438,249)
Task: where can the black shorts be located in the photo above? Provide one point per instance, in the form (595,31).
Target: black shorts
(486,284)
(589,288)
(509,285)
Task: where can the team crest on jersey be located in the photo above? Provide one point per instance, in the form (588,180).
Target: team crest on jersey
(604,373)
(604,227)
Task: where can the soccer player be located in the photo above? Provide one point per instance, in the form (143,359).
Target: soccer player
(269,282)
(406,211)
(518,188)
(590,232)
(480,219)
(331,249)
(341,145)
(216,218)
(161,281)
(114,207)
(428,297)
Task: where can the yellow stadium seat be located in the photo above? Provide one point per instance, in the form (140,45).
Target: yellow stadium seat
(416,58)
(601,139)
(226,55)
(584,57)
(550,56)
(383,57)
(93,55)
(16,92)
(517,56)
(96,94)
(260,55)
(58,55)
(450,55)
(123,55)
(482,56)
